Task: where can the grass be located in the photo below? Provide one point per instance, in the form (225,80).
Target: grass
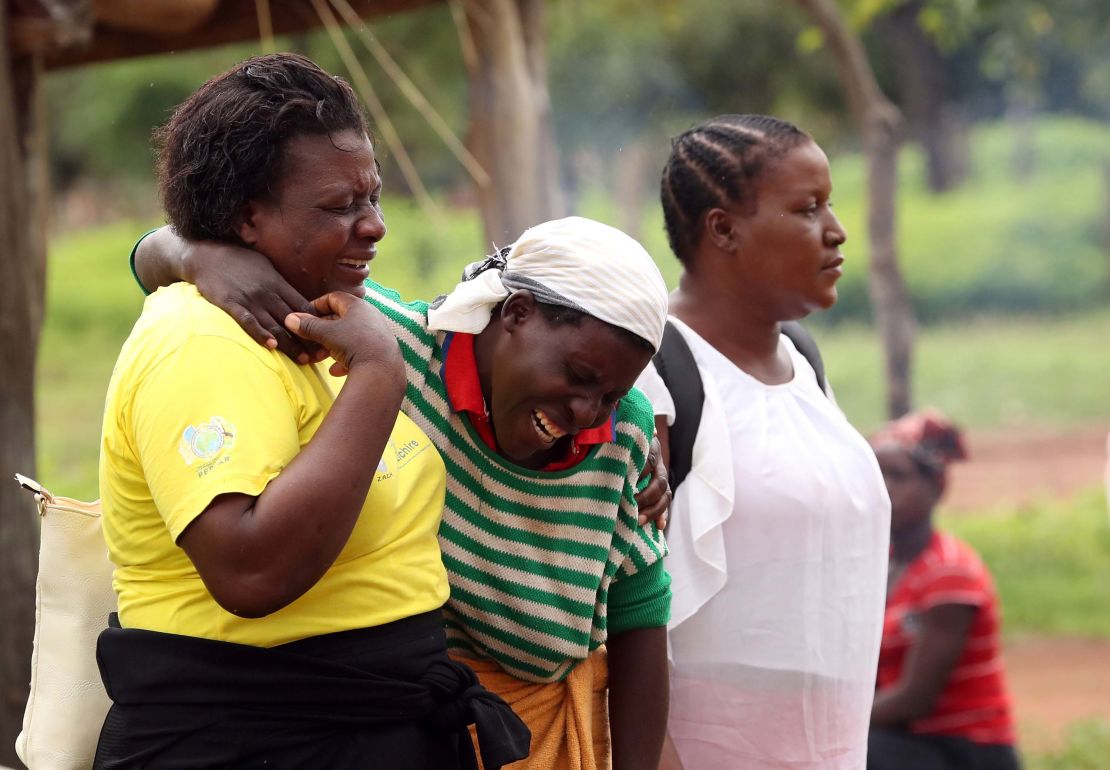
(1050,562)
(984,372)
(1086,748)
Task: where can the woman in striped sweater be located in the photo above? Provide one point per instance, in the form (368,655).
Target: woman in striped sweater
(522,377)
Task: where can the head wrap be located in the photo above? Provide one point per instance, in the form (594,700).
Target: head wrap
(930,438)
(575,263)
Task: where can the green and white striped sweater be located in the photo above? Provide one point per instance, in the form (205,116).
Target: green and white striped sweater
(543,566)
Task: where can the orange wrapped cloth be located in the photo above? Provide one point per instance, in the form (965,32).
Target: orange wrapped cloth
(569,720)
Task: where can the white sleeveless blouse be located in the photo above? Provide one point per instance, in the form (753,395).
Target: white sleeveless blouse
(779,543)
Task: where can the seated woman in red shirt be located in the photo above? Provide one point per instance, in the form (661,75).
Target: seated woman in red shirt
(941,700)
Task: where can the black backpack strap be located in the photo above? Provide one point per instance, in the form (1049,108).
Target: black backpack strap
(807,346)
(675,364)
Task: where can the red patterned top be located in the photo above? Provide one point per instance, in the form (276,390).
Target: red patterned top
(974,704)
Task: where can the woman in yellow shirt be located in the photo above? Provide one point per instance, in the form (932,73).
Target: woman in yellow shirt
(277,567)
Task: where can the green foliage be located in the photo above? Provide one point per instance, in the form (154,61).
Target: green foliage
(102,116)
(607,88)
(999,371)
(425,45)
(999,243)
(1086,748)
(91,304)
(1050,562)
(1026,44)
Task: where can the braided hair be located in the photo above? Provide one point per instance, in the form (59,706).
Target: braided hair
(718,163)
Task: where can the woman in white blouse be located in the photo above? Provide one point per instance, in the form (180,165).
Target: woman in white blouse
(779,533)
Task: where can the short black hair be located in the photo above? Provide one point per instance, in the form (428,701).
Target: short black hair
(224,145)
(716,163)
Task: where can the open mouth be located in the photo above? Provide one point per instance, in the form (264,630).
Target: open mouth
(546,429)
(357,267)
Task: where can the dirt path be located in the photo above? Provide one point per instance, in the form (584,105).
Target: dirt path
(1054,682)
(1017,466)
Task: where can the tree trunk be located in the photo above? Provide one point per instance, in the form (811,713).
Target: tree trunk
(631,185)
(890,297)
(1019,113)
(510,127)
(933,115)
(22,271)
(1106,222)
(879,124)
(533,20)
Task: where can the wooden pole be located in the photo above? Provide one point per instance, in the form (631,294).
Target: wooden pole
(22,279)
(509,114)
(879,123)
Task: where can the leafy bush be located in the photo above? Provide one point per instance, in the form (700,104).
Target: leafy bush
(1050,561)
(999,243)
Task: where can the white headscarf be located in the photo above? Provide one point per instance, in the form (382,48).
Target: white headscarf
(573,262)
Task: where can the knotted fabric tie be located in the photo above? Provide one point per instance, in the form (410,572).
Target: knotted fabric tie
(574,262)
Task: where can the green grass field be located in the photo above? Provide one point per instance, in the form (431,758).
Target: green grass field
(984,372)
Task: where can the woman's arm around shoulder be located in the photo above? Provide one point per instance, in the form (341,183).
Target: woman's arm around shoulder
(258,554)
(237,280)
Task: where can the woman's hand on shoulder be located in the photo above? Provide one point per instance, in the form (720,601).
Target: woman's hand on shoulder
(352,331)
(654,500)
(245,285)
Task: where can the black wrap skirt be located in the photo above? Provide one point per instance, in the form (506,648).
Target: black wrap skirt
(383,697)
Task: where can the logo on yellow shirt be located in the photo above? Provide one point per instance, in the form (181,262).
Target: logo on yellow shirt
(202,443)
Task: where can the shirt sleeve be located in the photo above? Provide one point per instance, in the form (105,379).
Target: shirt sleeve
(131,261)
(639,594)
(953,583)
(642,600)
(656,390)
(210,418)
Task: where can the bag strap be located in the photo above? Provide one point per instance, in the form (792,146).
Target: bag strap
(42,495)
(675,364)
(807,346)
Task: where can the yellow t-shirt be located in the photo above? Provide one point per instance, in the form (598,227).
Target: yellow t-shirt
(196,409)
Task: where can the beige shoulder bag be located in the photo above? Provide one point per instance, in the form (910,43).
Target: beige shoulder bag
(73,597)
